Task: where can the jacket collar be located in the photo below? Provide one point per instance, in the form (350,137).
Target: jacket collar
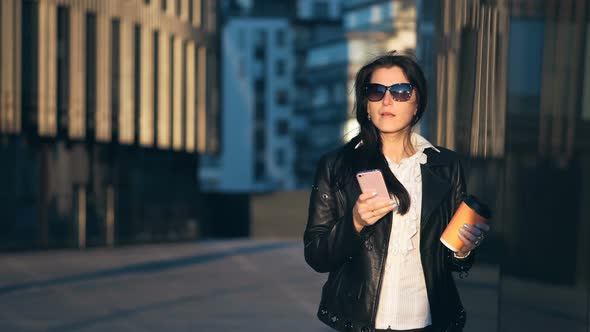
(437,158)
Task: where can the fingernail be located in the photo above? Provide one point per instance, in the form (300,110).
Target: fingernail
(392,202)
(374,193)
(461,230)
(465,225)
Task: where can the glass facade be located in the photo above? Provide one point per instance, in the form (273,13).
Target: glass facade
(91,90)
(512,104)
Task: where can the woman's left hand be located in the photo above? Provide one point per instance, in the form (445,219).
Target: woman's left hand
(472,236)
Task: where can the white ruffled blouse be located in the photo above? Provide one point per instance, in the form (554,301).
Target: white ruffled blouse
(403,302)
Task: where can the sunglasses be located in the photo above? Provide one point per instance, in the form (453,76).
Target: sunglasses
(399,91)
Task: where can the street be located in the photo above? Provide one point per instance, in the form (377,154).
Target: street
(229,285)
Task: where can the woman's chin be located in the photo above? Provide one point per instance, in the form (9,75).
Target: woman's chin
(388,130)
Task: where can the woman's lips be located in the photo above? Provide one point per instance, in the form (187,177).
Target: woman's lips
(387,114)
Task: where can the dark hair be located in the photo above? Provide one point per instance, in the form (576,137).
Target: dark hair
(371,150)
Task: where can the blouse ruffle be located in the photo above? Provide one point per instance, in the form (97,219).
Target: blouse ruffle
(409,174)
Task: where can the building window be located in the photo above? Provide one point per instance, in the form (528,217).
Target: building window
(260,139)
(147,2)
(281,37)
(115,77)
(63,69)
(260,44)
(259,53)
(259,128)
(90,74)
(282,127)
(164,4)
(178,7)
(190,11)
(280,67)
(321,9)
(259,170)
(260,113)
(282,97)
(280,157)
(259,90)
(30,39)
(525,65)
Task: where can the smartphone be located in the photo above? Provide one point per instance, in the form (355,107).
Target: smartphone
(372,181)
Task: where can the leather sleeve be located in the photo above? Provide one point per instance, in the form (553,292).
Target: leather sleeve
(461,265)
(330,237)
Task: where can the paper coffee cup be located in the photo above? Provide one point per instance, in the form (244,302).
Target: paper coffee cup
(470,211)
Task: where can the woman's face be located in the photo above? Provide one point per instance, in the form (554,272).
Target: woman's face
(388,115)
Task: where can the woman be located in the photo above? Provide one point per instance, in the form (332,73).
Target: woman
(387,268)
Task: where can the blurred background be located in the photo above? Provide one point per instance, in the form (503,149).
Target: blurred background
(128,122)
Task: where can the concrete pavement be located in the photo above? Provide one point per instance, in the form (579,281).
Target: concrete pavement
(233,285)
(212,286)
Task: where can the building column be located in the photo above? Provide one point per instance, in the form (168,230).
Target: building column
(77,123)
(103,79)
(146,130)
(177,112)
(184,10)
(126,114)
(171,8)
(196,13)
(190,97)
(202,100)
(164,91)
(47,114)
(10,77)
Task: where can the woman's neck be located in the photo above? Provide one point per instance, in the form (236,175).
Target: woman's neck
(397,146)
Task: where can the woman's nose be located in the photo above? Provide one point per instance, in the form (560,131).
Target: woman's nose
(388,98)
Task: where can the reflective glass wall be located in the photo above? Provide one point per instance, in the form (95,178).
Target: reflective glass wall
(513,80)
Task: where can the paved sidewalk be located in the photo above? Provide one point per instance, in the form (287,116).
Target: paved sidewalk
(212,286)
(237,285)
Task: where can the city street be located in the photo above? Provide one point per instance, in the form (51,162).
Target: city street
(177,151)
(232,285)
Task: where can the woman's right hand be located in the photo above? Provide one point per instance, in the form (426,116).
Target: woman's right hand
(369,209)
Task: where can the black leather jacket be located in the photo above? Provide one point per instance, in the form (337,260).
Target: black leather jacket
(355,261)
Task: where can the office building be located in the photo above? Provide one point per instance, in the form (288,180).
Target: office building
(513,78)
(321,54)
(104,109)
(257,94)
